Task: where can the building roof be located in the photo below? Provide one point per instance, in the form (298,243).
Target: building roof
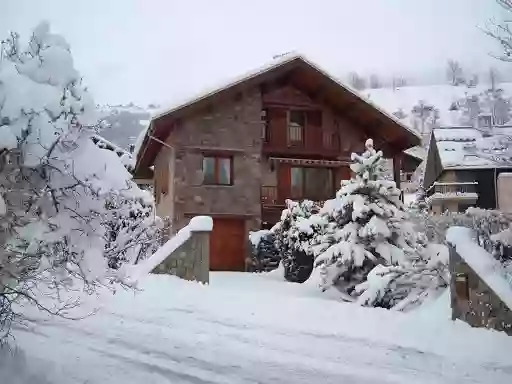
(306,76)
(471,148)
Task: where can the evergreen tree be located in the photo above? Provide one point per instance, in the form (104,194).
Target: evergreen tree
(365,227)
(293,235)
(265,255)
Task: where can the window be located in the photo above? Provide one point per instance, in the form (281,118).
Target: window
(217,170)
(296,124)
(297,182)
(312,183)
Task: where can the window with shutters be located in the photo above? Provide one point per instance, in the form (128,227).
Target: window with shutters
(217,170)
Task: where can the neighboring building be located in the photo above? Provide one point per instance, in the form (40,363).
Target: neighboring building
(236,153)
(411,171)
(464,166)
(481,290)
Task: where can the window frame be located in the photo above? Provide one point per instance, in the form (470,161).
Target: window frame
(217,161)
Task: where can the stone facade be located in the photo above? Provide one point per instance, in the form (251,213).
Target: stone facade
(473,301)
(232,127)
(191,260)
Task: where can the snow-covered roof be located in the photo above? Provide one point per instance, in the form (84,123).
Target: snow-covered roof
(418,152)
(473,148)
(406,137)
(483,263)
(277,62)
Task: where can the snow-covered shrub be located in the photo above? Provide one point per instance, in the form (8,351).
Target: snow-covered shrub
(364,243)
(293,234)
(264,254)
(70,211)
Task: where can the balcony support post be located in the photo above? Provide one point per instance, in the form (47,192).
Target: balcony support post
(397,167)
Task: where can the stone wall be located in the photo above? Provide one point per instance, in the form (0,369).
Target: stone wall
(232,127)
(473,301)
(191,261)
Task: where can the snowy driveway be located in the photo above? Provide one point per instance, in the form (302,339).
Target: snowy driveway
(254,329)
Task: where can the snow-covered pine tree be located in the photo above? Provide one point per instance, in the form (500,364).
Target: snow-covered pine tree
(365,225)
(293,234)
(70,214)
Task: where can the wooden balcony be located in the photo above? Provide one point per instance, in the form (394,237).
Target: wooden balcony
(466,191)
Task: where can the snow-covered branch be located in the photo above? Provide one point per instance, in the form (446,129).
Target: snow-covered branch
(69,210)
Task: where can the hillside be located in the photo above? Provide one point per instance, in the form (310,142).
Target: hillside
(440,97)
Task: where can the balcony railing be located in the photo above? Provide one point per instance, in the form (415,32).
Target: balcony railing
(453,191)
(269,197)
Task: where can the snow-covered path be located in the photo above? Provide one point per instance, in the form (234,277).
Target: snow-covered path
(253,329)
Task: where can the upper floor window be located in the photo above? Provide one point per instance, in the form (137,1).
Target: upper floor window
(296,125)
(218,170)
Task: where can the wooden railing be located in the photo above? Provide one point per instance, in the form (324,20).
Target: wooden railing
(452,190)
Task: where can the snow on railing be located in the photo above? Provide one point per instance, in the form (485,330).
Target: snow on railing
(196,224)
(452,190)
(481,262)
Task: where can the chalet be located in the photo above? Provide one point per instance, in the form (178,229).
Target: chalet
(236,153)
(468,167)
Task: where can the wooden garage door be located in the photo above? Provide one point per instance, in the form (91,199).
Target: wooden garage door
(227,245)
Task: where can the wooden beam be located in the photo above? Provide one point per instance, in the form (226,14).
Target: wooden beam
(397,167)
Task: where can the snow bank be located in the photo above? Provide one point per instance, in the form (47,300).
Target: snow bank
(483,263)
(15,369)
(248,327)
(196,224)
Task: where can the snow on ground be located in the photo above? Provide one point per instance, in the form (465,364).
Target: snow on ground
(248,328)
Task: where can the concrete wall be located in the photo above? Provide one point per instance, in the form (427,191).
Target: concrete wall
(473,301)
(191,261)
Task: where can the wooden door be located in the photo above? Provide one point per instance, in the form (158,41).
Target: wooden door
(227,245)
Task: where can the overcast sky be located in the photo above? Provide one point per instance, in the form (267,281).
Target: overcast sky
(162,50)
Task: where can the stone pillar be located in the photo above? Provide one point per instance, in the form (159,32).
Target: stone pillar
(191,261)
(200,248)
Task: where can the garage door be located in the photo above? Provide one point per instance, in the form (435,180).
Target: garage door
(227,245)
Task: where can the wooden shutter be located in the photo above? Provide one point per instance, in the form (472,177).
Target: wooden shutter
(283,182)
(313,134)
(277,125)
